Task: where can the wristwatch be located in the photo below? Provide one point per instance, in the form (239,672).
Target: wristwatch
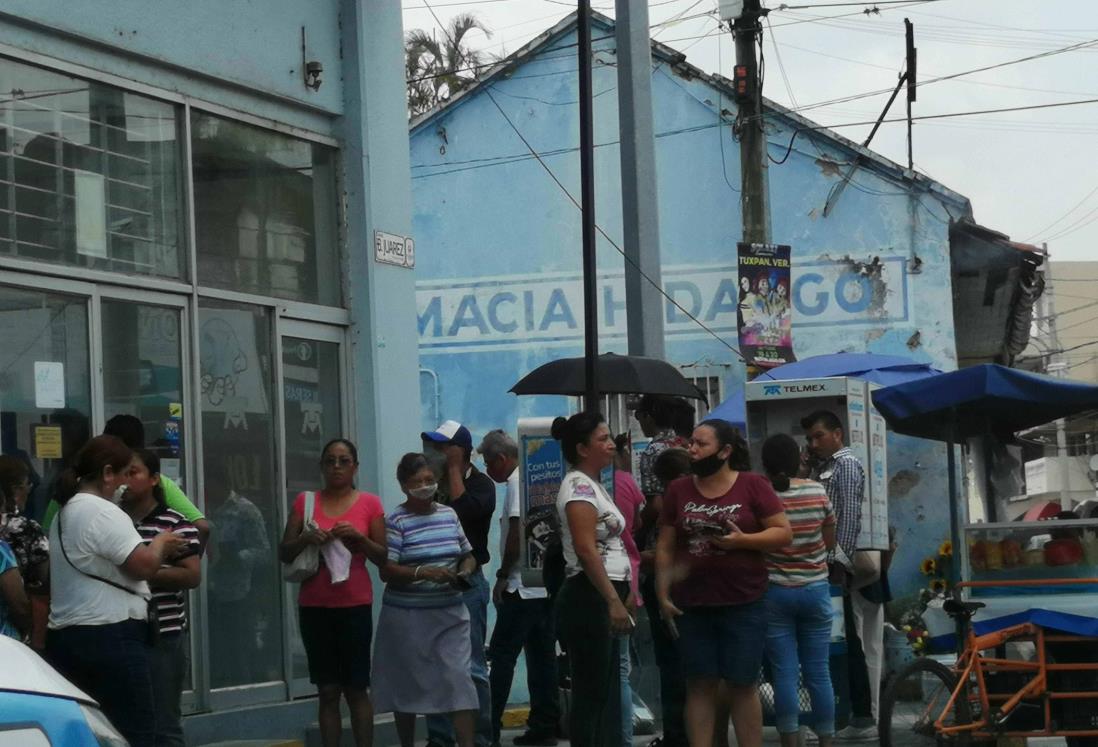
(502,575)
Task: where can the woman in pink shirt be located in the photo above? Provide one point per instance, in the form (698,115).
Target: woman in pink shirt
(336,619)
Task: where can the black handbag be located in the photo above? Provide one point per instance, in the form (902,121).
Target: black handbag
(151,618)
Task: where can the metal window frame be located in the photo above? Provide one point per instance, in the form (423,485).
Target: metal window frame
(292,318)
(298,687)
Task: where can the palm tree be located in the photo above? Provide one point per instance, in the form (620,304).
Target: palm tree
(435,70)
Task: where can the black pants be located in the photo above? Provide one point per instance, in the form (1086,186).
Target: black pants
(861,698)
(111,663)
(583,622)
(525,625)
(672,684)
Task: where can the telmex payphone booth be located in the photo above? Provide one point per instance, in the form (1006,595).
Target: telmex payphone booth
(777,407)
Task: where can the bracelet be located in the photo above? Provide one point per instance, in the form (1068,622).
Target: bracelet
(416,574)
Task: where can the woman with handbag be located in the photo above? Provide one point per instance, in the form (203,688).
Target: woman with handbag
(329,536)
(99,629)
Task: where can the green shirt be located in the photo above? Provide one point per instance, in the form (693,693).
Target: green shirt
(173,496)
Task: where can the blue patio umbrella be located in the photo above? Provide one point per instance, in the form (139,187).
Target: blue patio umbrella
(885,370)
(981,400)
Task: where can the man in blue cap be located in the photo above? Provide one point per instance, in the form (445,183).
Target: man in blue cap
(472,495)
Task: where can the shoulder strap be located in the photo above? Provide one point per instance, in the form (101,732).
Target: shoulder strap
(310,507)
(107,581)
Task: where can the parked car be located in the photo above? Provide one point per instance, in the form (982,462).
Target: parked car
(40,708)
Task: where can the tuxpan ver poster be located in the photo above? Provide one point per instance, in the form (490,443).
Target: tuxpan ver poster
(765,316)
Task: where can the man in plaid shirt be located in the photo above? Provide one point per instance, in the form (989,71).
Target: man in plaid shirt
(842,475)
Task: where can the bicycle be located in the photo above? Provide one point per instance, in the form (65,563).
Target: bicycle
(985,695)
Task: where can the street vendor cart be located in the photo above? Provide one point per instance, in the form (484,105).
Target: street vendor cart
(1023,597)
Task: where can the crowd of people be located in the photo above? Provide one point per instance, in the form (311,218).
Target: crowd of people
(731,568)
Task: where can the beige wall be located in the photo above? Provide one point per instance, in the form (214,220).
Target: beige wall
(1075,293)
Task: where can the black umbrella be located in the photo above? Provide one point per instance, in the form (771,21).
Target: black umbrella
(617,374)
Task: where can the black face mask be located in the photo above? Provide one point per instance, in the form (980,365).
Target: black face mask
(707,466)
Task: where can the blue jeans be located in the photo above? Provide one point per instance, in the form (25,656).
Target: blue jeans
(439,726)
(626,691)
(798,641)
(525,625)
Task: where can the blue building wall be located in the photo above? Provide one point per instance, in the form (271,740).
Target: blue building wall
(499,255)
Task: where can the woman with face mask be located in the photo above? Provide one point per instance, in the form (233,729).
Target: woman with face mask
(99,627)
(423,654)
(334,605)
(711,577)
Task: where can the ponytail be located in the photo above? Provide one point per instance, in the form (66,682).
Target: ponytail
(781,458)
(95,456)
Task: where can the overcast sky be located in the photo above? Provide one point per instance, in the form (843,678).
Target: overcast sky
(1030,174)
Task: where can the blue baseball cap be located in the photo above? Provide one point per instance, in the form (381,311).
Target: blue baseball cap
(450,432)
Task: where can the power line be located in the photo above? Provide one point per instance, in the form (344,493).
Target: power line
(499,160)
(605,235)
(783,6)
(951,76)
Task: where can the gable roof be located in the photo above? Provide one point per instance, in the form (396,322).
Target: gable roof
(677,61)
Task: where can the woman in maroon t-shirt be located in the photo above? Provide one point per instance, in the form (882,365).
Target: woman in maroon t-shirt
(711,576)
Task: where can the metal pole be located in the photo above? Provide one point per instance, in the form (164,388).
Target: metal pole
(587,201)
(755,196)
(954,510)
(639,206)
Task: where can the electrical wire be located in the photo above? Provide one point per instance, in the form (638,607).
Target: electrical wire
(720,118)
(605,235)
(783,6)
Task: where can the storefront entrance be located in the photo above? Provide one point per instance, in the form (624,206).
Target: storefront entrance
(237,397)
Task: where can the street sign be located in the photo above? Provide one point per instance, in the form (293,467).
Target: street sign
(391,249)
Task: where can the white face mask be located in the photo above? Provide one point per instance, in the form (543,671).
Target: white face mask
(425,492)
(120,491)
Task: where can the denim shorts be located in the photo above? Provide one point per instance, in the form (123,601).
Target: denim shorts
(725,642)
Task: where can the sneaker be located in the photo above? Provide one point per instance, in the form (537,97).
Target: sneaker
(857,734)
(536,739)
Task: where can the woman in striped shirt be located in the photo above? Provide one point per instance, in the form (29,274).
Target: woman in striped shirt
(422,650)
(798,601)
(144,501)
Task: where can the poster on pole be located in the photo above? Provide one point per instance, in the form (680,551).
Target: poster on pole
(765,317)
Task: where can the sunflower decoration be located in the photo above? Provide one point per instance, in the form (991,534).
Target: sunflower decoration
(929,566)
(946,549)
(938,585)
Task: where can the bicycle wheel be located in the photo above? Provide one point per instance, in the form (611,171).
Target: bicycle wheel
(914,700)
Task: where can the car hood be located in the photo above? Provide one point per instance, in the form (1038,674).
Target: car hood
(26,671)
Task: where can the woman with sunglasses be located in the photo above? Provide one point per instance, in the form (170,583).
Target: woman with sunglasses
(334,604)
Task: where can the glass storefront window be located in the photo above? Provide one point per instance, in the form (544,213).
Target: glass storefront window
(313,409)
(236,401)
(90,175)
(45,387)
(143,376)
(265,212)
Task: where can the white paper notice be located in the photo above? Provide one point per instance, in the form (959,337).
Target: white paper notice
(90,192)
(49,385)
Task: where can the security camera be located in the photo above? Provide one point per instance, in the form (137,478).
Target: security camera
(313,71)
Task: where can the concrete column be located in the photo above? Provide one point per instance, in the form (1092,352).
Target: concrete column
(377,196)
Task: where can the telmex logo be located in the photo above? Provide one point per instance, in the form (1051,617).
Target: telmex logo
(772,389)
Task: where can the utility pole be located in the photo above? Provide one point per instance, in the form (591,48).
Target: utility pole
(754,171)
(587,202)
(639,205)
